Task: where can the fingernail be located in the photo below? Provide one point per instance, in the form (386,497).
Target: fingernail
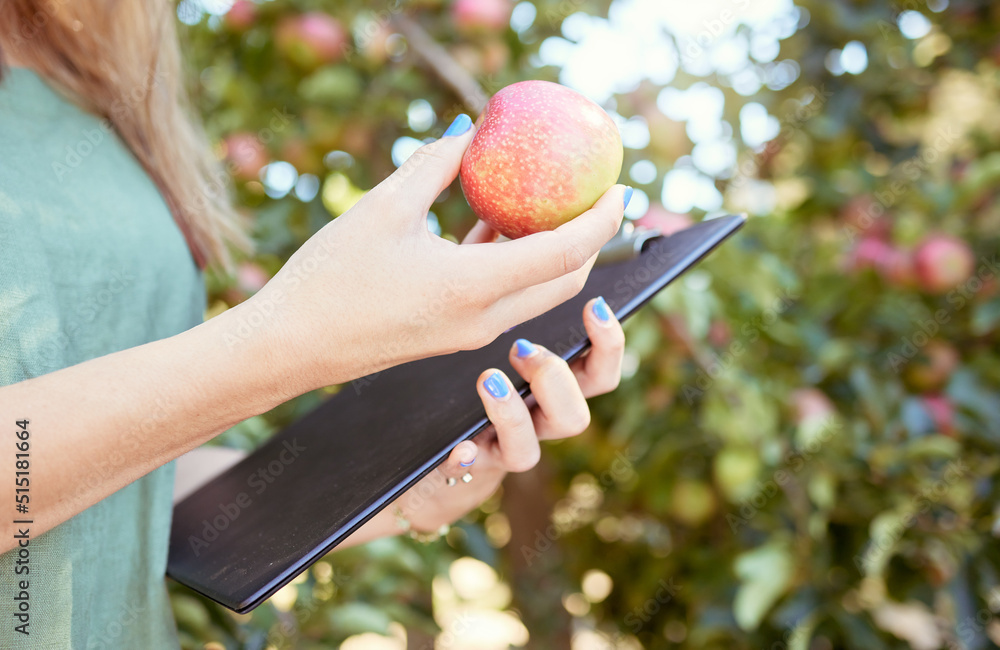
(496,386)
(601,310)
(628,193)
(525,348)
(461,124)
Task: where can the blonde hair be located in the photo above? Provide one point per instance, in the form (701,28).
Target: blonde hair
(120,59)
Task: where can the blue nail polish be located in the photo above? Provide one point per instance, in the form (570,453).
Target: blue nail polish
(461,124)
(601,310)
(525,348)
(496,386)
(468,464)
(628,193)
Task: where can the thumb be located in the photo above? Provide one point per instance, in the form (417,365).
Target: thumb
(432,167)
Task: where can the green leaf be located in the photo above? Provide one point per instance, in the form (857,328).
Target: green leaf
(765,575)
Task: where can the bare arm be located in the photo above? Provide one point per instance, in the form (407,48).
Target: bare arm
(100,425)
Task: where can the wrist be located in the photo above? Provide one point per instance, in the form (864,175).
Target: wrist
(243,346)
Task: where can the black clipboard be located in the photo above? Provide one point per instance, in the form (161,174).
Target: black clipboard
(245,534)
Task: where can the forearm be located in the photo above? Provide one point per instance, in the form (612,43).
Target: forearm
(100,425)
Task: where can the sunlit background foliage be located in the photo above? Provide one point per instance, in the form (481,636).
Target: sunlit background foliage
(802,453)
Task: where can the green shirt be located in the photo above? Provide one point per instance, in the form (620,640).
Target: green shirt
(92,263)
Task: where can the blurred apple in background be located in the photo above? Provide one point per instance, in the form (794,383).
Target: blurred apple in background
(692,502)
(481,15)
(891,263)
(245,155)
(251,278)
(942,413)
(865,216)
(241,16)
(736,470)
(942,262)
(719,333)
(810,404)
(932,366)
(311,39)
(374,41)
(666,222)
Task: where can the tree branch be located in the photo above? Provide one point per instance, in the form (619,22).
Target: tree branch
(442,63)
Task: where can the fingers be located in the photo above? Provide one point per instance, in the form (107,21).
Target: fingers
(516,440)
(525,304)
(562,409)
(461,458)
(601,370)
(481,233)
(545,256)
(432,167)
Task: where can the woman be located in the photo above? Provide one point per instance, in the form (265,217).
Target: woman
(109,209)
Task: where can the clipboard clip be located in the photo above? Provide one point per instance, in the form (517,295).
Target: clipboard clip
(627,244)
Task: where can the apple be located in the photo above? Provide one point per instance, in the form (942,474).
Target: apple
(868,254)
(374,42)
(735,470)
(246,155)
(543,155)
(662,220)
(863,214)
(942,262)
(241,16)
(942,413)
(496,56)
(311,39)
(811,403)
(932,367)
(481,15)
(251,278)
(893,264)
(692,502)
(896,268)
(719,333)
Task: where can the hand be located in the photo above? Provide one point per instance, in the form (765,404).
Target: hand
(513,445)
(374,288)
